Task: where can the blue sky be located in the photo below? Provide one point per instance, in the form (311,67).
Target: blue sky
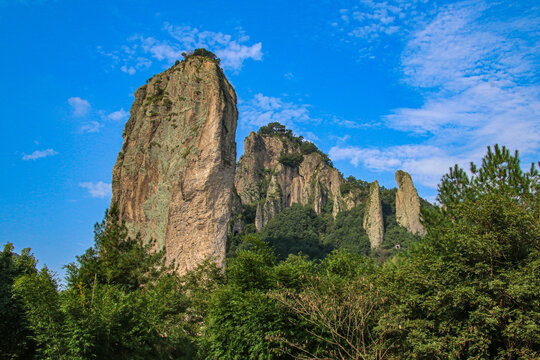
(379,86)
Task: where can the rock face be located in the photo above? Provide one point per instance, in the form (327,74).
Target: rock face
(174,178)
(408,204)
(266,177)
(373,216)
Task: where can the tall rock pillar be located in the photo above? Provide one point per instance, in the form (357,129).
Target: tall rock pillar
(373,216)
(408,204)
(173,180)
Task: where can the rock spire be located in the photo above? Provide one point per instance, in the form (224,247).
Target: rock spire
(173,180)
(408,204)
(373,216)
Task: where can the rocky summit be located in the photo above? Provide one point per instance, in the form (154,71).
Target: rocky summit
(174,177)
(279,169)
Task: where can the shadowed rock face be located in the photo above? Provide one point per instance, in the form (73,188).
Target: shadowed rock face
(408,204)
(373,216)
(174,178)
(262,179)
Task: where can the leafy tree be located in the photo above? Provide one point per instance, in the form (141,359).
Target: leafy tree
(291,159)
(308,147)
(296,229)
(201,52)
(15,335)
(348,232)
(38,293)
(121,302)
(241,317)
(462,292)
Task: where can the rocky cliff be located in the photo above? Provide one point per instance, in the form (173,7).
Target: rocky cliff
(174,178)
(373,216)
(408,204)
(279,169)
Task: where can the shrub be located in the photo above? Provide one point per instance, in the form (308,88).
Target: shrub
(308,147)
(292,160)
(202,52)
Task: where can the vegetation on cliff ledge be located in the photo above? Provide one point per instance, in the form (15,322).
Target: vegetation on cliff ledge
(298,144)
(200,52)
(468,290)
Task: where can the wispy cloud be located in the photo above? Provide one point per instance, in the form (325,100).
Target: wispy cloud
(371,24)
(356,124)
(478,77)
(79,107)
(119,115)
(426,163)
(91,127)
(261,110)
(38,154)
(98,189)
(137,53)
(126,59)
(288,76)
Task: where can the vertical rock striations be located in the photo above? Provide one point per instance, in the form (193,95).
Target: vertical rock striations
(174,178)
(279,169)
(408,204)
(373,216)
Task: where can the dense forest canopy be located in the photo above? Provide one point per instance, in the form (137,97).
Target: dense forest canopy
(305,287)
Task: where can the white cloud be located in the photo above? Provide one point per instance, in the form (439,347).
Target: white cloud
(119,115)
(79,107)
(477,77)
(288,76)
(98,189)
(356,124)
(370,24)
(38,154)
(127,58)
(233,50)
(91,127)
(426,163)
(82,108)
(129,70)
(261,110)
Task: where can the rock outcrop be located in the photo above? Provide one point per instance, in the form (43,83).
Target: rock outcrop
(408,204)
(278,169)
(174,178)
(373,216)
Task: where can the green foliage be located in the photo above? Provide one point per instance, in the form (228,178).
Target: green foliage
(296,230)
(156,97)
(335,314)
(15,334)
(201,52)
(351,184)
(469,290)
(120,300)
(116,259)
(241,316)
(308,147)
(461,293)
(348,232)
(297,143)
(275,128)
(291,159)
(37,291)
